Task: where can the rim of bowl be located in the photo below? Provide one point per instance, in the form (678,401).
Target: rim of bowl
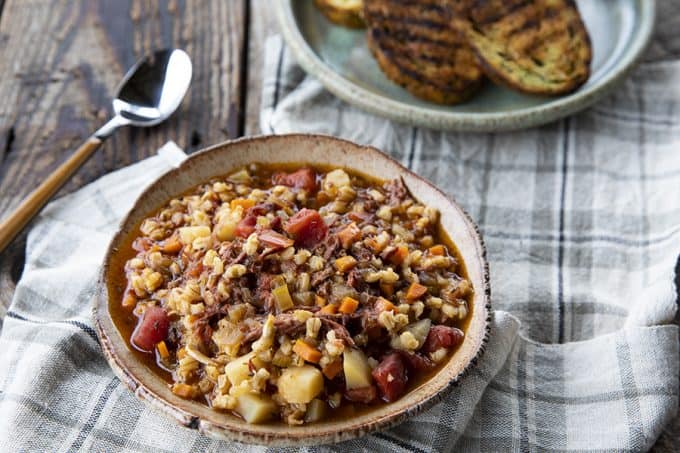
(153,391)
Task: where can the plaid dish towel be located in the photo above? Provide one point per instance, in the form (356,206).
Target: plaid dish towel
(582,226)
(581,219)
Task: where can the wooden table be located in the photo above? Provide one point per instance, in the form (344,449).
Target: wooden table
(60,61)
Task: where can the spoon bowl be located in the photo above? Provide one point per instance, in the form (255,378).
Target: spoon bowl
(150,91)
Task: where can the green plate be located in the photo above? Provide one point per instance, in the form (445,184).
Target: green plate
(340,59)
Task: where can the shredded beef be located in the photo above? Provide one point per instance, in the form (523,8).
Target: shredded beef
(330,245)
(241,294)
(263,293)
(361,253)
(287,324)
(204,333)
(251,331)
(321,276)
(324,289)
(354,279)
(369,323)
(396,191)
(341,331)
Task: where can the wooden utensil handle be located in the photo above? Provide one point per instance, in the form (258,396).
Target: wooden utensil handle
(28,208)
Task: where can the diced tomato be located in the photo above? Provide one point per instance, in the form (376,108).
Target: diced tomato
(246,226)
(307,227)
(151,329)
(304,178)
(442,337)
(390,376)
(274,240)
(361,395)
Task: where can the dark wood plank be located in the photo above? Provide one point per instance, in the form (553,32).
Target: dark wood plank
(262,25)
(60,61)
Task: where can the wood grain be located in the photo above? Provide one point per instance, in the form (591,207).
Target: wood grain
(15,222)
(60,61)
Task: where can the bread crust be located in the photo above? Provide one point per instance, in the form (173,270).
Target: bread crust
(533,46)
(415,47)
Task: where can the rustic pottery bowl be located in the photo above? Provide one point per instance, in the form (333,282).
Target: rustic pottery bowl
(314,149)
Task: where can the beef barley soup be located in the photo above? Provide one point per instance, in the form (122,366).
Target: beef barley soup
(293,293)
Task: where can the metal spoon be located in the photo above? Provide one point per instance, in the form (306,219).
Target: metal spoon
(150,92)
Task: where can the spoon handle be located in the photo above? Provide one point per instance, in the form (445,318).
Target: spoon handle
(28,208)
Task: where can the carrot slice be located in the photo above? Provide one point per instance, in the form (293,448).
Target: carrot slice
(171,245)
(383,304)
(129,300)
(307,352)
(332,369)
(245,203)
(348,305)
(345,263)
(319,301)
(329,309)
(163,350)
(437,250)
(183,390)
(399,255)
(415,291)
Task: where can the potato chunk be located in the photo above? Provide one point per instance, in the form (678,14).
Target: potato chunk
(255,408)
(237,370)
(188,234)
(356,368)
(300,384)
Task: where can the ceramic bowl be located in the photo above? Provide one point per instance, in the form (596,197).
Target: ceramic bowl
(313,149)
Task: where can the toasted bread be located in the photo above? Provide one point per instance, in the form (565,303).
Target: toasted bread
(416,48)
(347,13)
(533,46)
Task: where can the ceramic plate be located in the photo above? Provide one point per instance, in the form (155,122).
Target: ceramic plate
(340,59)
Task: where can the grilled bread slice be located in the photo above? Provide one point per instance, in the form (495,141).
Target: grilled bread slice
(533,46)
(415,47)
(347,13)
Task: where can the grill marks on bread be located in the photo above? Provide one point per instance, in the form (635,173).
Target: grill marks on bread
(416,47)
(534,46)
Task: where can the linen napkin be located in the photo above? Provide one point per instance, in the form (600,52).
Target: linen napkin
(581,223)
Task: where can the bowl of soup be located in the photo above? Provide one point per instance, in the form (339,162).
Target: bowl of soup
(292,290)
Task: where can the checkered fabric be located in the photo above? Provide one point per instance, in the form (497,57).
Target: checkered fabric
(582,223)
